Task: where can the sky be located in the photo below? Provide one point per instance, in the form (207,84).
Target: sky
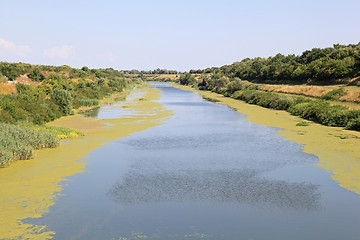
(177,35)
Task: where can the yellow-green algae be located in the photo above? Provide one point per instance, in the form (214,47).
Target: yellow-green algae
(29,188)
(337,149)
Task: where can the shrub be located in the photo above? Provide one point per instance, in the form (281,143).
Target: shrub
(303,124)
(353,124)
(63,99)
(36,75)
(322,112)
(3,79)
(88,102)
(236,85)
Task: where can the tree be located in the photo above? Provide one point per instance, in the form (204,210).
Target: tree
(63,99)
(36,75)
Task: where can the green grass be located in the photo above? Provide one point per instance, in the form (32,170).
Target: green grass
(303,124)
(60,132)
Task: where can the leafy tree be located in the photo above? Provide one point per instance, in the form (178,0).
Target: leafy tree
(36,75)
(64,99)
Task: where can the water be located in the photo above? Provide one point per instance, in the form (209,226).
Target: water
(205,174)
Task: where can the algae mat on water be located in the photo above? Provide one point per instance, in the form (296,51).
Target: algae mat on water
(337,149)
(29,188)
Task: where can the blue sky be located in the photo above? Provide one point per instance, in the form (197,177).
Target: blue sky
(179,35)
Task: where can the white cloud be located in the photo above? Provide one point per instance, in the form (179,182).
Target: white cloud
(10,49)
(64,52)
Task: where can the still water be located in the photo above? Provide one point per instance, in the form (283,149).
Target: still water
(207,173)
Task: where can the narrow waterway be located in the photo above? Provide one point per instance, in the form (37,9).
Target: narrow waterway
(206,173)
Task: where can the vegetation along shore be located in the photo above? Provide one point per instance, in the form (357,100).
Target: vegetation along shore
(320,85)
(32,95)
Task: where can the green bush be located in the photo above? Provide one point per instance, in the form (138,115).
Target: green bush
(3,79)
(324,113)
(36,75)
(353,124)
(63,99)
(267,99)
(88,102)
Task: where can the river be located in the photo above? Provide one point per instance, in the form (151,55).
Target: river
(205,173)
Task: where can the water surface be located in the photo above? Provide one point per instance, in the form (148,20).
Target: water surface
(207,173)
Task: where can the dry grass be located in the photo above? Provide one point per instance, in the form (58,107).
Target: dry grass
(25,79)
(166,76)
(7,88)
(352,92)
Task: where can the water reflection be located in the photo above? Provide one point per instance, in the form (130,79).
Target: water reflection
(92,113)
(241,186)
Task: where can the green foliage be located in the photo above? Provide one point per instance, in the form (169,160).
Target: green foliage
(317,64)
(334,94)
(236,85)
(3,78)
(36,75)
(353,124)
(267,99)
(60,132)
(64,99)
(14,70)
(188,79)
(303,124)
(17,143)
(28,104)
(88,102)
(324,113)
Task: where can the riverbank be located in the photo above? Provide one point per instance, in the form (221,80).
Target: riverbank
(336,148)
(30,187)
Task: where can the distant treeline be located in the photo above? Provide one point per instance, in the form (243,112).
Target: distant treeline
(320,110)
(156,71)
(319,65)
(339,61)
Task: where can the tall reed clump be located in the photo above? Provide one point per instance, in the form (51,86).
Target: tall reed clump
(88,102)
(18,143)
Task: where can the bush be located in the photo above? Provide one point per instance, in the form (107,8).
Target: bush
(63,99)
(322,112)
(236,85)
(88,102)
(267,99)
(3,79)
(353,124)
(36,75)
